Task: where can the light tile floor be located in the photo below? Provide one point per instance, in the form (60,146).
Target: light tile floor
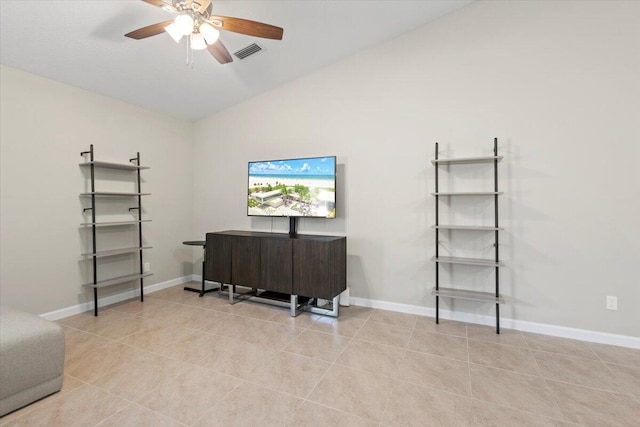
(178,359)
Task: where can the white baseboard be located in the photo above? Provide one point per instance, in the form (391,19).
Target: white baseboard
(87,306)
(519,325)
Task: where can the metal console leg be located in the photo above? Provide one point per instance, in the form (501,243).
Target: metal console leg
(202,289)
(333,312)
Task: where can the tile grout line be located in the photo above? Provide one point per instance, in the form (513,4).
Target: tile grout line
(78,389)
(574,383)
(306,398)
(525,412)
(386,404)
(396,381)
(602,390)
(549,389)
(331,365)
(131,402)
(195,422)
(469,364)
(136,404)
(614,374)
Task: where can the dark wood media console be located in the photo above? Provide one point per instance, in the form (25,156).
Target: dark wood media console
(302,266)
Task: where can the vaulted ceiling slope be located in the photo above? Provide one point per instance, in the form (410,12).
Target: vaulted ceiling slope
(82,43)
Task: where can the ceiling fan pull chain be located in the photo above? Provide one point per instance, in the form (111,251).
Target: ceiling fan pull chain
(189,53)
(188,49)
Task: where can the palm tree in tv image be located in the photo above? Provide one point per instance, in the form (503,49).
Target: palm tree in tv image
(304,197)
(285,194)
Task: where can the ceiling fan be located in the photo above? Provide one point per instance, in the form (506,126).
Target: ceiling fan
(195,21)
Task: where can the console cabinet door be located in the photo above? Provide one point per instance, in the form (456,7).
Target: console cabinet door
(319,268)
(338,266)
(217,266)
(276,265)
(245,261)
(309,264)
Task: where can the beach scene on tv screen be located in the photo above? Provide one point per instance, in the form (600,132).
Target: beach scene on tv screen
(299,187)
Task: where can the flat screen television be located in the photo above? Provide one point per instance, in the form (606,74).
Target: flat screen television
(293,188)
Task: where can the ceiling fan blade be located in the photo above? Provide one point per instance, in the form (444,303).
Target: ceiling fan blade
(245,26)
(220,52)
(162,4)
(151,30)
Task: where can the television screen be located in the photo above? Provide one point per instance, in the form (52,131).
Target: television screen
(295,187)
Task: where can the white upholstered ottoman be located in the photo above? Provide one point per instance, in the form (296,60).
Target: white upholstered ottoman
(31,358)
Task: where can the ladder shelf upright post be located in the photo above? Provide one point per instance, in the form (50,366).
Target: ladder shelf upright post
(139,209)
(496,243)
(437,243)
(93,225)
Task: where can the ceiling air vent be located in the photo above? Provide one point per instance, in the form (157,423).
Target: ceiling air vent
(245,52)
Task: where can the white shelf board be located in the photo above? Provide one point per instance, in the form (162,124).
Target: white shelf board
(468,295)
(468,193)
(113,223)
(466,160)
(121,166)
(117,280)
(467,227)
(114,194)
(112,252)
(467,261)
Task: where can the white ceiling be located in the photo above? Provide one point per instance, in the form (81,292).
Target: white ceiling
(82,43)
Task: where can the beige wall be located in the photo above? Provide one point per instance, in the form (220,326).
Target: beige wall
(44,126)
(556,82)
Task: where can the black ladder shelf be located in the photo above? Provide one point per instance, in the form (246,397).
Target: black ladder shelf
(439,291)
(133,165)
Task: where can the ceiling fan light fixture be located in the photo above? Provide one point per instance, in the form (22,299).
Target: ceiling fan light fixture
(209,33)
(174,32)
(197,41)
(185,24)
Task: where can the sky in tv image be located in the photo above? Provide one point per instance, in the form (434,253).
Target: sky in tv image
(323,166)
(299,187)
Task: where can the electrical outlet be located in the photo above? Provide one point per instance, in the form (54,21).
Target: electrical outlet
(147,267)
(612,303)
